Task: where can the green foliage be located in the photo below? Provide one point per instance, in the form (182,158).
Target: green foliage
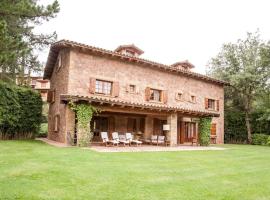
(260,139)
(84,114)
(19,44)
(268,141)
(43,131)
(246,66)
(204,131)
(20,111)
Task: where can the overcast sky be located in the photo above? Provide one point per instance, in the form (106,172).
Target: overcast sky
(167,30)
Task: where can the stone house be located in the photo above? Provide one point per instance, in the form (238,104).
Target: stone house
(135,95)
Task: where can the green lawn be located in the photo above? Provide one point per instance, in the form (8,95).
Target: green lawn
(33,170)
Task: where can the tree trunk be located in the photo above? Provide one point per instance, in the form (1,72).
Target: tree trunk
(247,119)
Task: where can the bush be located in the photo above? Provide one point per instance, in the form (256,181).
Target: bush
(20,111)
(260,139)
(268,141)
(43,131)
(204,130)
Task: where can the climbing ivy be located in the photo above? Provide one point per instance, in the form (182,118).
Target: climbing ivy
(84,114)
(204,130)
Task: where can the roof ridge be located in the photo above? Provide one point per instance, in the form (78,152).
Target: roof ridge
(150,62)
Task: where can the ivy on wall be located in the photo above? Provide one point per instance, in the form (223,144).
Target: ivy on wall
(205,131)
(84,114)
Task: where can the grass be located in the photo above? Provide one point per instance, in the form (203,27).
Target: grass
(33,170)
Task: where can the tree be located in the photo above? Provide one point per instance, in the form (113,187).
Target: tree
(246,66)
(18,42)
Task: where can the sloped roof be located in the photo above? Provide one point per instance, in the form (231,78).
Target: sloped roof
(129,46)
(57,46)
(146,105)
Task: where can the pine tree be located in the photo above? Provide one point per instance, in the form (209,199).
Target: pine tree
(18,43)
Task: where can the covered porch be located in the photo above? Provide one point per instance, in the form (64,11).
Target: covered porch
(178,125)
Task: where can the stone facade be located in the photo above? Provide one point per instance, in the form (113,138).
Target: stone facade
(77,68)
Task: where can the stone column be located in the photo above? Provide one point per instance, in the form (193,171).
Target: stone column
(149,123)
(172,133)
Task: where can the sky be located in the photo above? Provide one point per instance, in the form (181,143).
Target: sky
(167,31)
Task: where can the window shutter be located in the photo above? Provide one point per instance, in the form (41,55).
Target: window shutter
(206,103)
(51,96)
(213,129)
(164,96)
(116,89)
(217,105)
(92,86)
(147,94)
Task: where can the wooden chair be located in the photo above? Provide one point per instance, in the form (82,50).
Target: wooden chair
(105,139)
(129,137)
(115,137)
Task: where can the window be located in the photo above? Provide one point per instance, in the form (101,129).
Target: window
(132,88)
(179,96)
(193,98)
(130,53)
(59,62)
(56,122)
(103,87)
(211,104)
(155,95)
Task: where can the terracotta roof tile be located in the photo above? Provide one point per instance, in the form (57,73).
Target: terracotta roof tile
(71,44)
(164,107)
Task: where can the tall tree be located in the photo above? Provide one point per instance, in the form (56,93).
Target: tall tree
(246,66)
(18,42)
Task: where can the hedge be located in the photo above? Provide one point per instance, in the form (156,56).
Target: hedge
(20,112)
(204,130)
(260,139)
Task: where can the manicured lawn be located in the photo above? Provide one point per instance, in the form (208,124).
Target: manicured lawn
(33,170)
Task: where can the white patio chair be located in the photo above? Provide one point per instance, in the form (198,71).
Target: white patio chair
(105,139)
(129,137)
(115,137)
(161,140)
(154,139)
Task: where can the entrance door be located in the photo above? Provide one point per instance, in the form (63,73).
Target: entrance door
(158,126)
(189,131)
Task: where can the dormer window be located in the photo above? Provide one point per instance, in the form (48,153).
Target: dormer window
(129,50)
(130,53)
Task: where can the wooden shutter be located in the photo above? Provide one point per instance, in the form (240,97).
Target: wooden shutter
(164,96)
(213,129)
(206,103)
(147,94)
(49,96)
(217,105)
(92,86)
(116,89)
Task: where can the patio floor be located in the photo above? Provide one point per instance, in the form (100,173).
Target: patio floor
(151,148)
(143,148)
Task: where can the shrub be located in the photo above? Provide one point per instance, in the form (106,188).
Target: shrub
(204,130)
(20,111)
(268,141)
(43,131)
(260,139)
